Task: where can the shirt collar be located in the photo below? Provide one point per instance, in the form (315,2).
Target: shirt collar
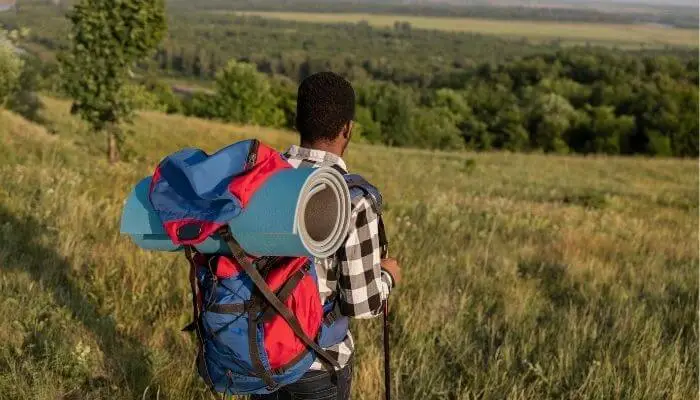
(320,157)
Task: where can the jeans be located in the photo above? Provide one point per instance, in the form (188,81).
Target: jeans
(315,385)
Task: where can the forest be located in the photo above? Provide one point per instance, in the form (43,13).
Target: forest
(568,101)
(416,88)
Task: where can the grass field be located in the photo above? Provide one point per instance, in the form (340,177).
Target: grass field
(533,30)
(526,276)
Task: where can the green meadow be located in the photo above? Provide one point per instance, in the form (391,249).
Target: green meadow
(525,276)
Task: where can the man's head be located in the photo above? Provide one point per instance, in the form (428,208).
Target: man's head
(325,110)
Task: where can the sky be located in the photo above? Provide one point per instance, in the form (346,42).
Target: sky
(536,2)
(655,2)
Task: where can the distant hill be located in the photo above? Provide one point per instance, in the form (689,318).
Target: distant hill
(537,3)
(597,11)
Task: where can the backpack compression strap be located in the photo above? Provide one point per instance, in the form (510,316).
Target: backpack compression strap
(272,299)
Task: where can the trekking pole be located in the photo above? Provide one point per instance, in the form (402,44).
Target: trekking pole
(387,359)
(385,311)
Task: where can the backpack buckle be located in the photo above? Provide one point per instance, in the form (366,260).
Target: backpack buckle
(225,233)
(330,318)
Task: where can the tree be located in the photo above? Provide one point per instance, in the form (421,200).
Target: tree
(474,132)
(200,104)
(10,68)
(178,61)
(685,139)
(245,95)
(164,93)
(108,38)
(197,65)
(23,100)
(187,61)
(576,93)
(599,130)
(507,130)
(141,98)
(392,107)
(366,129)
(434,128)
(452,101)
(213,66)
(550,119)
(284,90)
(162,59)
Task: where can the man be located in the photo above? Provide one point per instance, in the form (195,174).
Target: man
(357,275)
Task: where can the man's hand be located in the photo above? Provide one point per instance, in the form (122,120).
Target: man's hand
(391,266)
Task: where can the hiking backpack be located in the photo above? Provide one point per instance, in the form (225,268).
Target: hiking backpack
(259,321)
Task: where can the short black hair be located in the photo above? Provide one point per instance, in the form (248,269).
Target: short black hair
(325,103)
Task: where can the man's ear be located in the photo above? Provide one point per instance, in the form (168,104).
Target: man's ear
(347,130)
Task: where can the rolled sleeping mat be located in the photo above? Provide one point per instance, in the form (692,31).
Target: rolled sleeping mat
(295,213)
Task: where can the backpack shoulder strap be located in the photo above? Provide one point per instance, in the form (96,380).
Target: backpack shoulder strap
(367,190)
(364,188)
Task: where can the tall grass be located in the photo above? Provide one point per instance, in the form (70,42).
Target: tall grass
(526,276)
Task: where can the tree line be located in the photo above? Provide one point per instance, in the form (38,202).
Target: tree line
(400,54)
(200,43)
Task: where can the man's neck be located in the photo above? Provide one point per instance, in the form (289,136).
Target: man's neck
(324,146)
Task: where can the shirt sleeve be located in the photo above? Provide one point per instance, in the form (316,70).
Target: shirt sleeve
(362,286)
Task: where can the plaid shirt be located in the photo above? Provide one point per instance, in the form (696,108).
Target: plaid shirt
(353,273)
